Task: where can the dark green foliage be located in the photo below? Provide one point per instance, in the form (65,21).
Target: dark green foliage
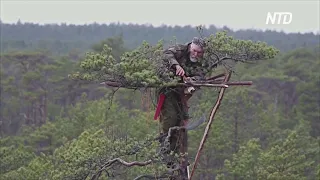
(135,68)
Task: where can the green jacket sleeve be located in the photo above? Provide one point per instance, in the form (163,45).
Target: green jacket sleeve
(169,56)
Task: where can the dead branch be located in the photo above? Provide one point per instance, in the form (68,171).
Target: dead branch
(127,164)
(107,165)
(239,83)
(115,84)
(234,83)
(211,118)
(196,84)
(216,76)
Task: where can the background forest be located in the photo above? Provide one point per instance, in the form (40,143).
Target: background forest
(56,128)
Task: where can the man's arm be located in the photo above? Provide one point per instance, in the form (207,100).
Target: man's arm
(172,61)
(169,55)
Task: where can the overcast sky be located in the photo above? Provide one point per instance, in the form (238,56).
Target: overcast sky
(234,14)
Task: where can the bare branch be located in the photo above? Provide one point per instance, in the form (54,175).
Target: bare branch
(106,166)
(209,83)
(122,162)
(211,118)
(129,164)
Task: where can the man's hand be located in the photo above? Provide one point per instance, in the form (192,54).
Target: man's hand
(179,70)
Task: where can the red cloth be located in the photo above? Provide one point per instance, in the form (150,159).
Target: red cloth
(159,106)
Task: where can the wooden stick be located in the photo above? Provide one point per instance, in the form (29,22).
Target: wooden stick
(239,83)
(216,77)
(211,118)
(204,84)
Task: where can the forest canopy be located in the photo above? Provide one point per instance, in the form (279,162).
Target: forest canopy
(53,127)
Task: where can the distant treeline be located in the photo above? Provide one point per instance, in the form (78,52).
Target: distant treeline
(62,39)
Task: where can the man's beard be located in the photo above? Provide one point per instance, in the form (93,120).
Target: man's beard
(193,59)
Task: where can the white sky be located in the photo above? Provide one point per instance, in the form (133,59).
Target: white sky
(234,14)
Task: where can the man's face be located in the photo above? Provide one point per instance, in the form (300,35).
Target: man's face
(196,52)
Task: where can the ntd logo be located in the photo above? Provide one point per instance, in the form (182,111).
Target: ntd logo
(279,18)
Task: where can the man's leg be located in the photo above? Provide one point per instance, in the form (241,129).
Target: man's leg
(185,108)
(184,135)
(170,117)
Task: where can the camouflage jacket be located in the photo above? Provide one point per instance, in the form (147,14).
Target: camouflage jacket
(179,55)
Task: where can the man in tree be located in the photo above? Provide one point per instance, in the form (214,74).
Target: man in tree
(185,61)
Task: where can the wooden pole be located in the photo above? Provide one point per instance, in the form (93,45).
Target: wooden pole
(211,118)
